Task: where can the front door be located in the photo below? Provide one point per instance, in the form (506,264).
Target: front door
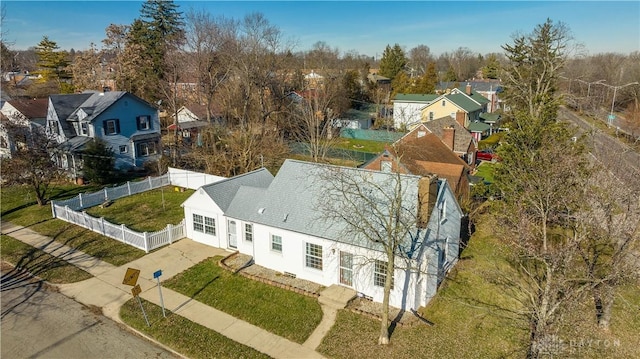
(231,229)
(346,268)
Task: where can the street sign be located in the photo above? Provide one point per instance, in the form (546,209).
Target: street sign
(131,277)
(136,290)
(157,273)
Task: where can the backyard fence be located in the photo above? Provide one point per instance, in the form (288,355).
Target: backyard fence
(71,210)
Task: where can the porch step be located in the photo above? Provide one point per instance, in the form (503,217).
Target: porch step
(336,296)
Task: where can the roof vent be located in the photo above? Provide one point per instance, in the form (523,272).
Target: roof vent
(285,217)
(261,210)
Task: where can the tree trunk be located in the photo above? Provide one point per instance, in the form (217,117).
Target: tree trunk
(603,301)
(384,325)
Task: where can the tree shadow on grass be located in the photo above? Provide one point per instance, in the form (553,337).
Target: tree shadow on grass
(195,294)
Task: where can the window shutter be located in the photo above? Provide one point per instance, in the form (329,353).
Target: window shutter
(117,126)
(138,123)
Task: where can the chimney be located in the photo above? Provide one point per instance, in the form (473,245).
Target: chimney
(461,118)
(427,193)
(449,136)
(468,89)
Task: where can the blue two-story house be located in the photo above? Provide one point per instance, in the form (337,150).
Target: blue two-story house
(127,123)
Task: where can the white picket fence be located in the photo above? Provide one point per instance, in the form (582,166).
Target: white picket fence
(147,241)
(71,210)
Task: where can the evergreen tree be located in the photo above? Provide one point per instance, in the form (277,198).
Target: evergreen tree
(451,76)
(492,67)
(53,65)
(401,84)
(98,162)
(158,31)
(428,81)
(393,61)
(531,77)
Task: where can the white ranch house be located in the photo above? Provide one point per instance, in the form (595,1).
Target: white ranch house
(276,221)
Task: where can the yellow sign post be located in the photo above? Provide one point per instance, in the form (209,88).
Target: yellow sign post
(131,277)
(136,290)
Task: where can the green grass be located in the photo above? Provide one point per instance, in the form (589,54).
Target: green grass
(465,325)
(276,310)
(485,170)
(472,318)
(145,212)
(360,145)
(182,335)
(39,263)
(19,207)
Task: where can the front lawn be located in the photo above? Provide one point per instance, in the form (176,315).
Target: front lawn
(39,263)
(188,338)
(276,310)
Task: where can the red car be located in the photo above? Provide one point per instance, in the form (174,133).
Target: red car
(487,155)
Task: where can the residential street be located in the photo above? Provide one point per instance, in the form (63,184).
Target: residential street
(39,322)
(621,160)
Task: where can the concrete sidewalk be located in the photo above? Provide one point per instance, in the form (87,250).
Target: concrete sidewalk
(106,290)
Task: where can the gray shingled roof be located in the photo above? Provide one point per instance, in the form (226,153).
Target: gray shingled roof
(64,106)
(293,198)
(96,104)
(223,192)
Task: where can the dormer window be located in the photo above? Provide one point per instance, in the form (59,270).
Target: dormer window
(144,122)
(84,128)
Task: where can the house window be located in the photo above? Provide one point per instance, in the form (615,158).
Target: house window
(248,232)
(146,149)
(84,128)
(444,103)
(198,223)
(111,127)
(124,149)
(276,243)
(443,211)
(380,274)
(430,115)
(314,256)
(346,268)
(209,226)
(385,166)
(3,142)
(53,126)
(144,122)
(204,224)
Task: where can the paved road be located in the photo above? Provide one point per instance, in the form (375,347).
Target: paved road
(38,322)
(619,158)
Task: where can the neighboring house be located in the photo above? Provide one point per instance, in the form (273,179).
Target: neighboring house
(459,140)
(276,221)
(421,152)
(407,108)
(313,81)
(455,104)
(26,112)
(128,124)
(490,89)
(191,119)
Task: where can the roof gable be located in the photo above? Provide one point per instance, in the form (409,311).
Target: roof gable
(224,192)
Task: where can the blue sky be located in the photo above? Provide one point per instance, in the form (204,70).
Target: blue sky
(364,26)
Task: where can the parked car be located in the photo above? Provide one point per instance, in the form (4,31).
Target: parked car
(487,155)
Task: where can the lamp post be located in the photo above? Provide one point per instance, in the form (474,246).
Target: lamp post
(613,101)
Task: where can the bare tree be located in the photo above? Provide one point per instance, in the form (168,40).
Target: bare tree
(31,162)
(419,57)
(379,210)
(86,70)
